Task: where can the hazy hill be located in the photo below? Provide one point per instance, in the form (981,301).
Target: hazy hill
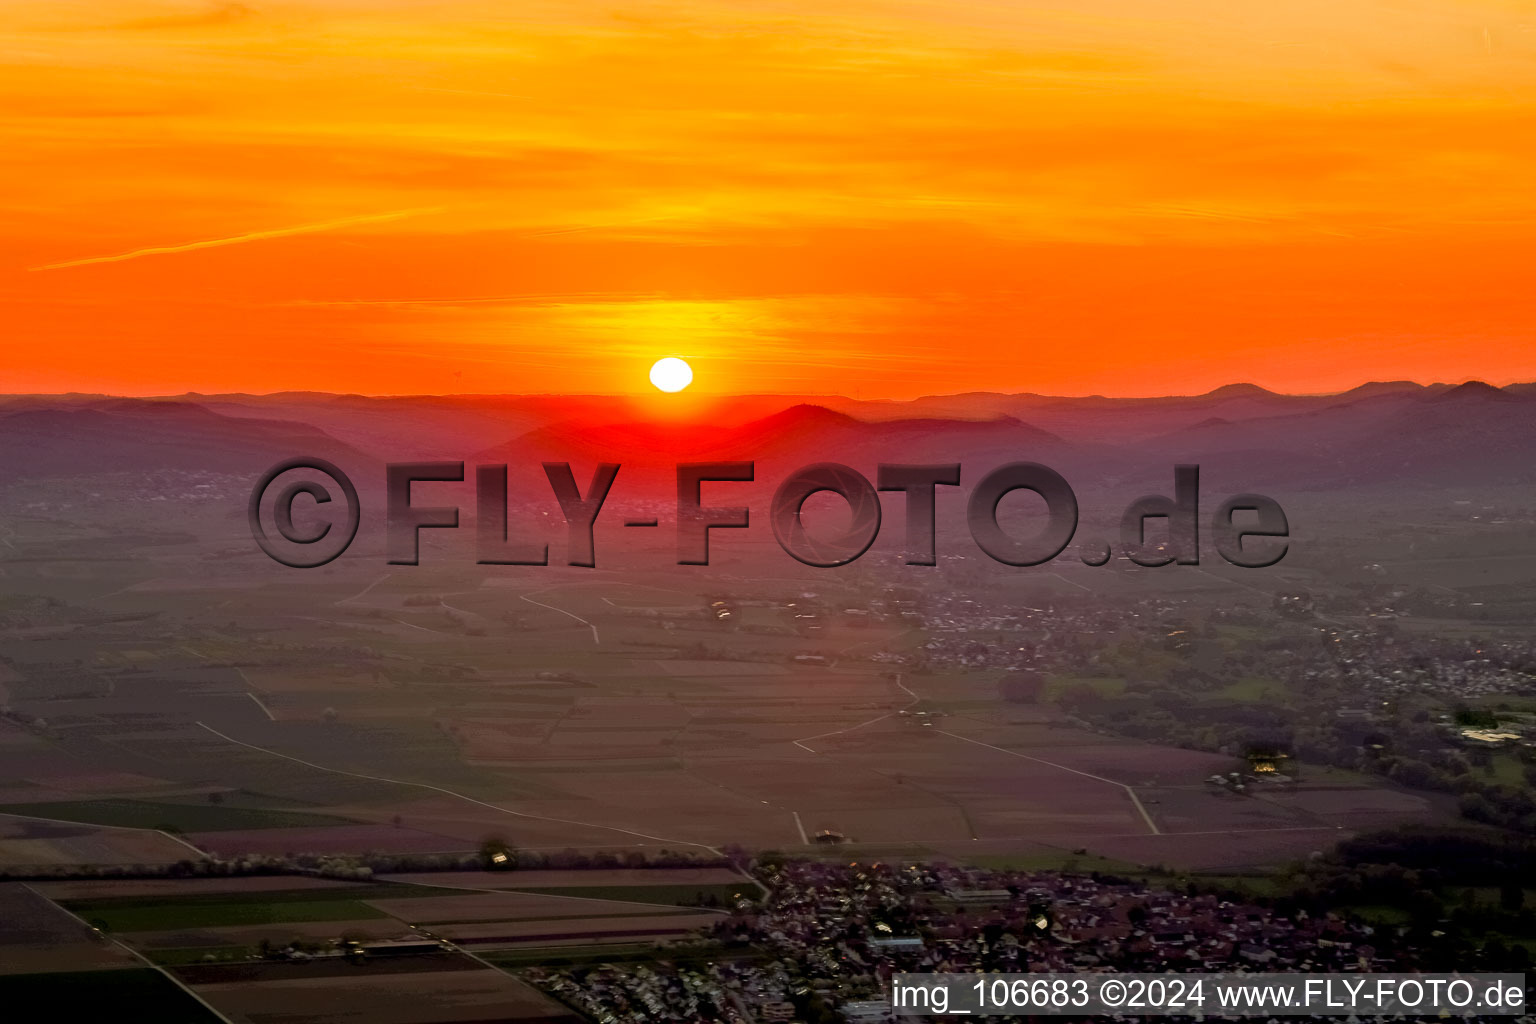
(778,444)
(135,435)
(1469,434)
(1379,433)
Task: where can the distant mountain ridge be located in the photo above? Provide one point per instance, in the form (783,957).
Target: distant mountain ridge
(135,436)
(792,432)
(1377,433)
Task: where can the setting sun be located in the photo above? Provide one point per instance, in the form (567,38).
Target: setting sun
(671,374)
(888,194)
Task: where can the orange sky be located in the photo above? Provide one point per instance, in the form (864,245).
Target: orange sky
(872,197)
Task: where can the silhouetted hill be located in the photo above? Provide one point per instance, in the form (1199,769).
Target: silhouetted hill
(132,435)
(1380,387)
(1227,391)
(1469,434)
(803,432)
(1382,432)
(1474,390)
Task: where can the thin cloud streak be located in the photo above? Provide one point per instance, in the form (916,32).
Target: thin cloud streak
(253,236)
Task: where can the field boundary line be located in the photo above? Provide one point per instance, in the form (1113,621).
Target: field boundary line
(395,879)
(120,828)
(1066,837)
(562,611)
(362,593)
(801,742)
(1135,800)
(459,796)
(879,640)
(146,961)
(123,590)
(264,709)
(425,629)
(1073,583)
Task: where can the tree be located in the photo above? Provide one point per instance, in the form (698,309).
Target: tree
(497,854)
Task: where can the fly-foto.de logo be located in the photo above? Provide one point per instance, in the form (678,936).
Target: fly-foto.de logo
(1247,530)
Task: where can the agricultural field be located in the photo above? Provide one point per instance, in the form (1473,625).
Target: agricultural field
(164,913)
(403,997)
(215,936)
(241,774)
(618,879)
(27,842)
(229,912)
(599,711)
(37,937)
(170,816)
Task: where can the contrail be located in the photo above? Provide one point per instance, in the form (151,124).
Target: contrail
(254,236)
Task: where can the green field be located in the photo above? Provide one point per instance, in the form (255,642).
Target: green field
(681,895)
(617,952)
(121,996)
(549,956)
(149,916)
(1253,690)
(175,817)
(196,954)
(1251,885)
(1508,770)
(1379,914)
(1103,686)
(345,891)
(1485,895)
(347,894)
(1055,860)
(241,798)
(207,910)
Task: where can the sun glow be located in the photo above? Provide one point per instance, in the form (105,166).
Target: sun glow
(881,193)
(671,374)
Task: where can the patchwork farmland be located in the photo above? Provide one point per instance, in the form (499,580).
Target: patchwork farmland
(207,944)
(283,793)
(602,713)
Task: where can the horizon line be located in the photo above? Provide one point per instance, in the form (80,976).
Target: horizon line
(1235,386)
